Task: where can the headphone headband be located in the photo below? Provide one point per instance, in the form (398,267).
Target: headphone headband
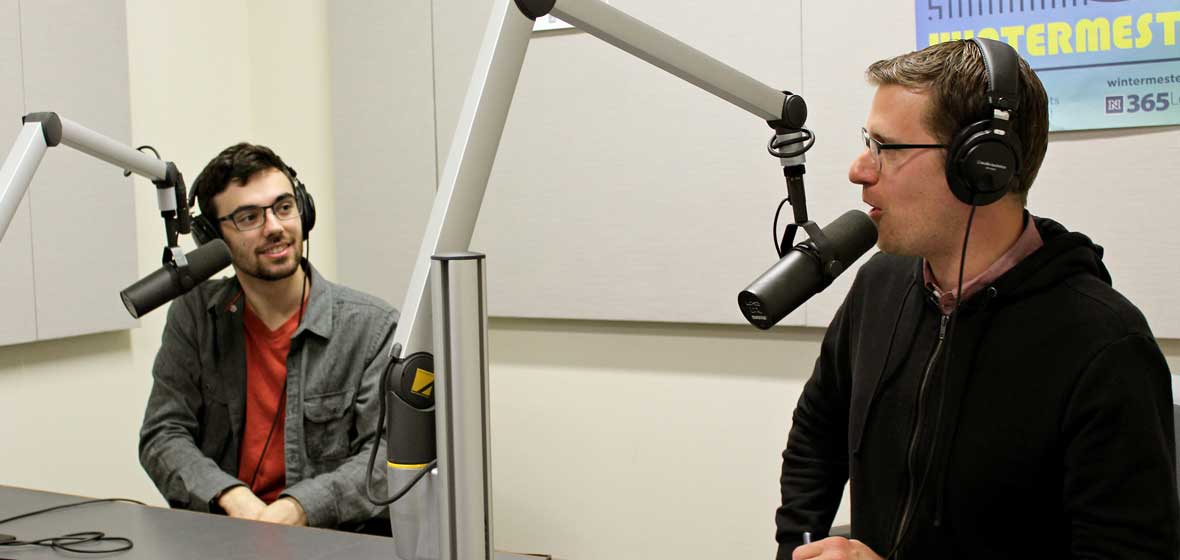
(1003,74)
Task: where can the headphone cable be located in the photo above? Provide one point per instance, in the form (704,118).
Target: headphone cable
(373,452)
(280,408)
(954,316)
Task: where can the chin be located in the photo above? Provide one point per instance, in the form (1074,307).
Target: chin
(885,242)
(894,247)
(276,273)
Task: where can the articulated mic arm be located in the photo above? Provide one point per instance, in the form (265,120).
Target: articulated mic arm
(481,122)
(181,272)
(409,387)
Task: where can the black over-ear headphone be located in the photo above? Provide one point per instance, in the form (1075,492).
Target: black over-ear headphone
(206,229)
(983,161)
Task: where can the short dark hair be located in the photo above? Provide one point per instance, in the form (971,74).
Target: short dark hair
(954,75)
(238,163)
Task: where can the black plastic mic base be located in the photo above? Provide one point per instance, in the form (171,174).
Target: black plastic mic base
(409,422)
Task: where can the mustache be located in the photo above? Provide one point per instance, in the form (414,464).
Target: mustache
(276,241)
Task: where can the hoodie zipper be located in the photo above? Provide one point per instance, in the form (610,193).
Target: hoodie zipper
(915,436)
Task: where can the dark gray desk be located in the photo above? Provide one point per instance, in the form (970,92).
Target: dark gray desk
(169,534)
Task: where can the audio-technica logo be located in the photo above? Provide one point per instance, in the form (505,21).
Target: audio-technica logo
(992,166)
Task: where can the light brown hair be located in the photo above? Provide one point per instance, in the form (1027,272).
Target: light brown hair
(954,76)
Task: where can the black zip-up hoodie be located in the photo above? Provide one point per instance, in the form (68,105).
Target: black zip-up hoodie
(1047,435)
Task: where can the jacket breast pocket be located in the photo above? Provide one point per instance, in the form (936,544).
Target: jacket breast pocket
(327,424)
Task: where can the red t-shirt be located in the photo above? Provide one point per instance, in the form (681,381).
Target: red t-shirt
(266,375)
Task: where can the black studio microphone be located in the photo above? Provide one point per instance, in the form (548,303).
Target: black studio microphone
(171,281)
(804,271)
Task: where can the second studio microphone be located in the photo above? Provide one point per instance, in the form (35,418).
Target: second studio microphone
(802,273)
(170,282)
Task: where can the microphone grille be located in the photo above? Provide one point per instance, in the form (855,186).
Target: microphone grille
(851,235)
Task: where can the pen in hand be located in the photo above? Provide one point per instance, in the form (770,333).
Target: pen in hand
(806,537)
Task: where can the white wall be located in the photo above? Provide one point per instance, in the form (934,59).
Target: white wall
(611,440)
(626,440)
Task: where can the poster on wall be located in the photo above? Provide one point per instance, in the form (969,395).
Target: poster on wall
(1104,63)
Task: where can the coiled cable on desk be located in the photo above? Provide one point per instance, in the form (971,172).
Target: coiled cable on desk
(73,542)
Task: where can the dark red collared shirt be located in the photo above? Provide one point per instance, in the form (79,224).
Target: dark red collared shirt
(1028,242)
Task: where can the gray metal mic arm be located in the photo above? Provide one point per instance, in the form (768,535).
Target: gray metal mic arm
(410,423)
(485,109)
(42,131)
(782,110)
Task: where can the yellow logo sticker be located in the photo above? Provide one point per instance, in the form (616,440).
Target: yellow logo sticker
(423,383)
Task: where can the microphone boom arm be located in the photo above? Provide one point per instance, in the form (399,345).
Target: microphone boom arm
(485,110)
(45,130)
(459,197)
(783,111)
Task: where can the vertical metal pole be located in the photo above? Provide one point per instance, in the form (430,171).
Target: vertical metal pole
(415,518)
(461,406)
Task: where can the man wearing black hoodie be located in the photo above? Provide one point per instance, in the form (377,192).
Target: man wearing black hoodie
(1028,418)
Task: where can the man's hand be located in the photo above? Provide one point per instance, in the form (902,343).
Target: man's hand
(834,548)
(285,510)
(240,502)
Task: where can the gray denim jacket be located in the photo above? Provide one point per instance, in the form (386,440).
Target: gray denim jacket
(192,427)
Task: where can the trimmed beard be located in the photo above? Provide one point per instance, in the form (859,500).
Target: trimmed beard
(274,274)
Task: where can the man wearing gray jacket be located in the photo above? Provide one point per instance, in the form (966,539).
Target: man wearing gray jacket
(265,388)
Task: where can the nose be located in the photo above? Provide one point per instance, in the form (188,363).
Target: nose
(863,170)
(270,222)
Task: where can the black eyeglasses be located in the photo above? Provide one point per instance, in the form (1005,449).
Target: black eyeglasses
(246,219)
(874,147)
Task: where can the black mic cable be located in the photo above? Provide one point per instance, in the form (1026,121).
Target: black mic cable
(279,410)
(954,317)
(373,452)
(72,542)
(281,407)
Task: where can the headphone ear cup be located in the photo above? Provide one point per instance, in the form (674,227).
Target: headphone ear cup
(306,208)
(203,231)
(982,165)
